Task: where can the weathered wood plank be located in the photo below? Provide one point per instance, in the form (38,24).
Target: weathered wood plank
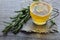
(7,8)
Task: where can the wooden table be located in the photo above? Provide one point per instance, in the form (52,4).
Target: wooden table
(7,8)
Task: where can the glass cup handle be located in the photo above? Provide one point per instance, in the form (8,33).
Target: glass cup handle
(55,13)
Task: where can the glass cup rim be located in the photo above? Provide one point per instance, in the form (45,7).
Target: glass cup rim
(43,3)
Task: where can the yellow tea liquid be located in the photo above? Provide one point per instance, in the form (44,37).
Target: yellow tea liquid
(39,20)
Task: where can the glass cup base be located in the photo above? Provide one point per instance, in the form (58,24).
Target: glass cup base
(39,23)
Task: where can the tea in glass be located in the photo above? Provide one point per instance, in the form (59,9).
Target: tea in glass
(40,12)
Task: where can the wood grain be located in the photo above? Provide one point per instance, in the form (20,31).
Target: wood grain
(7,8)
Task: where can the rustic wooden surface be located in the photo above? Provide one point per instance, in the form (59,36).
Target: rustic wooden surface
(7,8)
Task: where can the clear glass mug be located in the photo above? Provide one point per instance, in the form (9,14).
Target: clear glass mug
(38,19)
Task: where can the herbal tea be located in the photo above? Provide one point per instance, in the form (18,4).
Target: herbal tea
(40,12)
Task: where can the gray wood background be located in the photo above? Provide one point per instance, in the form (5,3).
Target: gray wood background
(7,8)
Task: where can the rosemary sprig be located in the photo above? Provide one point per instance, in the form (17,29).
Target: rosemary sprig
(52,23)
(18,21)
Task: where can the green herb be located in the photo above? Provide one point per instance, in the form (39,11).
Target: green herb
(18,21)
(52,23)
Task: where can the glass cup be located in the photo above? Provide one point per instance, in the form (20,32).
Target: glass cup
(40,19)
